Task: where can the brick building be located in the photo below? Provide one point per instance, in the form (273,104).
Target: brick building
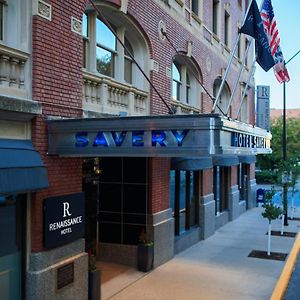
(82,127)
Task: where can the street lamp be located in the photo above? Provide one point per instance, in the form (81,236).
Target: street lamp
(284,152)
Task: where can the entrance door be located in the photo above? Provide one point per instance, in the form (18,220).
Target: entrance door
(11,237)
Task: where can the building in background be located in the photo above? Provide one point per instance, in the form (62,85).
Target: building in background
(90,155)
(263,107)
(276,113)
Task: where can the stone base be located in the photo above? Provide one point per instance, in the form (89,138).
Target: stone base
(242,207)
(186,240)
(162,224)
(251,194)
(233,202)
(207,216)
(41,277)
(222,219)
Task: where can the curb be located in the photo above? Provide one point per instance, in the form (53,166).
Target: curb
(287,271)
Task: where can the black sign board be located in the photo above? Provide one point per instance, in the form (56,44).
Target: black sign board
(64,219)
(65,275)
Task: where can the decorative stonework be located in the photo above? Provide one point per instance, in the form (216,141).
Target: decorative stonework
(162,28)
(44,10)
(208,64)
(154,65)
(76,25)
(168,72)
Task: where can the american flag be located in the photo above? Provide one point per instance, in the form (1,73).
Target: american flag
(270,26)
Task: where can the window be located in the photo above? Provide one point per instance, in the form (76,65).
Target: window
(246,46)
(103,55)
(195,6)
(221,188)
(85,38)
(185,86)
(188,89)
(128,63)
(244,113)
(215,16)
(224,97)
(239,50)
(243,180)
(176,81)
(105,49)
(1,20)
(184,193)
(226,28)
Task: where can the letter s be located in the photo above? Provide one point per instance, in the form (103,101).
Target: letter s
(81,139)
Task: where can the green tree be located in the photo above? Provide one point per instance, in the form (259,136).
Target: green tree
(274,161)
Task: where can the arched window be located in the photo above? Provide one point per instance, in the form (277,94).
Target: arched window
(105,49)
(224,97)
(185,86)
(176,82)
(103,54)
(128,62)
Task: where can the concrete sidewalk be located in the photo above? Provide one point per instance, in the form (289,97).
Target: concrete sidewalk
(218,268)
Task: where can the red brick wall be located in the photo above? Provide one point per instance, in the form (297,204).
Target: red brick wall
(207,182)
(234,178)
(159,184)
(57,83)
(164,53)
(252,171)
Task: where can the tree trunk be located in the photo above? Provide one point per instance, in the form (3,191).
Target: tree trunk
(269,238)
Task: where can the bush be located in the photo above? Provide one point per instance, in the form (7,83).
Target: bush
(266,176)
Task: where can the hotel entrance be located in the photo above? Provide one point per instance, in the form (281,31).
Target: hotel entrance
(116,192)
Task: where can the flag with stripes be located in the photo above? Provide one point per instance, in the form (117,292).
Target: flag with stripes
(270,26)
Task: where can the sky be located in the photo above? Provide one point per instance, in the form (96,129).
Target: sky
(287,14)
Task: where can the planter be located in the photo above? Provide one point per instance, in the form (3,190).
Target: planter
(94,285)
(145,255)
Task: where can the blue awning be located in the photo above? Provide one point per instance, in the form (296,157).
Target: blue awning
(247,159)
(225,160)
(191,163)
(21,167)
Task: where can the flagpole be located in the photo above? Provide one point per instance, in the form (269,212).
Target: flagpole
(239,75)
(230,61)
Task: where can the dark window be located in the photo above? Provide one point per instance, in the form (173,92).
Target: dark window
(226,28)
(221,188)
(195,6)
(243,179)
(184,191)
(215,16)
(1,19)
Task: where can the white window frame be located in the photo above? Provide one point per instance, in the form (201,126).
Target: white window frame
(190,93)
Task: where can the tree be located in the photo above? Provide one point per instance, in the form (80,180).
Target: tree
(271,212)
(273,161)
